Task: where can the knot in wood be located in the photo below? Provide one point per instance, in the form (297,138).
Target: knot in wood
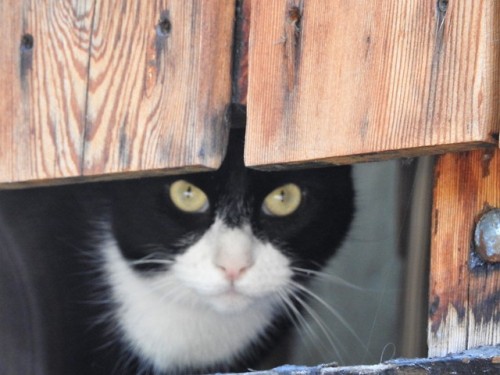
(27,42)
(294,15)
(442,5)
(164,26)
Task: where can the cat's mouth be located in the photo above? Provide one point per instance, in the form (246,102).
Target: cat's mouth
(230,301)
(235,300)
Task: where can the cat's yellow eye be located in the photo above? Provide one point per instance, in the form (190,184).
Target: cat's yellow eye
(188,197)
(282,201)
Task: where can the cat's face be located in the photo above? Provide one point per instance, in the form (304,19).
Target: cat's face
(235,229)
(232,243)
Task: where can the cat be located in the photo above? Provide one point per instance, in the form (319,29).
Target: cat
(183,274)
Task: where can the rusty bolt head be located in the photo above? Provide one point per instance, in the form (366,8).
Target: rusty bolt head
(487,236)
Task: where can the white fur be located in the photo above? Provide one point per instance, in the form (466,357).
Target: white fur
(199,313)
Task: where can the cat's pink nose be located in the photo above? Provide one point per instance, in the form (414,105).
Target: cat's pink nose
(233,272)
(233,254)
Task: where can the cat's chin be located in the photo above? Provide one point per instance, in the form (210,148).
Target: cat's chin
(231,302)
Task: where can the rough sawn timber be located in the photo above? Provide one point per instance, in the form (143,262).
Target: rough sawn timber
(106,89)
(334,81)
(483,360)
(464,301)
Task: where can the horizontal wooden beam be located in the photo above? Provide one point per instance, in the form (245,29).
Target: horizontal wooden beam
(483,360)
(112,89)
(332,81)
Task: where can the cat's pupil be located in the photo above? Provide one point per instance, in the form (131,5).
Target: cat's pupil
(281,196)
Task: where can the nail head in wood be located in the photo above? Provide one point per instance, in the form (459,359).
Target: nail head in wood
(487,236)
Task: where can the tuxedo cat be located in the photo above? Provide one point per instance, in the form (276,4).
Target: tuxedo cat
(180,274)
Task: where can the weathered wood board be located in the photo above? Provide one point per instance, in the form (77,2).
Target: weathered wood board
(464,303)
(159,85)
(97,89)
(43,68)
(484,360)
(345,81)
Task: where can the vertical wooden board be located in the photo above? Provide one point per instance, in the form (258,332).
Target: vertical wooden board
(464,304)
(43,71)
(10,90)
(364,80)
(42,122)
(484,287)
(159,86)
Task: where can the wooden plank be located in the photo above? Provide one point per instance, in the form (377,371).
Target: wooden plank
(464,303)
(159,86)
(484,360)
(340,82)
(104,89)
(43,80)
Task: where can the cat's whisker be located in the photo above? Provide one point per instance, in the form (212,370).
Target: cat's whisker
(305,326)
(293,295)
(100,320)
(157,253)
(98,300)
(107,343)
(169,290)
(328,277)
(88,272)
(298,320)
(153,246)
(293,312)
(151,261)
(163,286)
(327,332)
(334,312)
(155,250)
(174,294)
(124,362)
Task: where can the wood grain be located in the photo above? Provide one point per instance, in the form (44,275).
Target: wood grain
(367,80)
(158,94)
(464,303)
(113,88)
(43,79)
